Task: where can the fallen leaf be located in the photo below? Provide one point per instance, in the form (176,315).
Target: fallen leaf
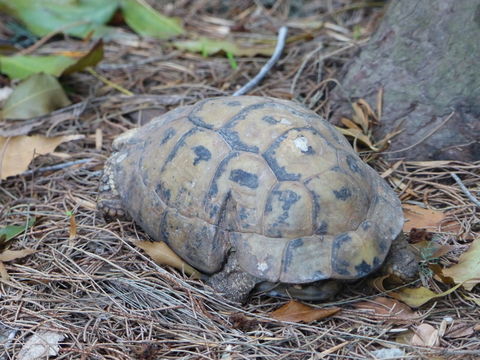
(359,135)
(161,253)
(416,297)
(207,46)
(38,95)
(429,250)
(9,255)
(17,152)
(438,271)
(72,228)
(41,345)
(467,271)
(78,18)
(425,335)
(10,231)
(459,331)
(90,58)
(146,21)
(420,218)
(360,117)
(295,311)
(22,66)
(387,309)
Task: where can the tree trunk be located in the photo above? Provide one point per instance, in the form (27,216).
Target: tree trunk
(426,57)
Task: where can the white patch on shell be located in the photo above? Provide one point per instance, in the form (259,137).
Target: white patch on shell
(120,158)
(285,121)
(302,143)
(262,266)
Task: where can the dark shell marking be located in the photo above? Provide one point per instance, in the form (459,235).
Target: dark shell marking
(263,176)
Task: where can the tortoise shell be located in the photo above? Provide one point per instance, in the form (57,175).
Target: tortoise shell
(263,177)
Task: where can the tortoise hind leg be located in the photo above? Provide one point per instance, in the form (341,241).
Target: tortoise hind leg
(234,283)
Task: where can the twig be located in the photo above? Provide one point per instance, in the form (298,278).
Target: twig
(465,190)
(422,139)
(322,58)
(57,166)
(109,83)
(282,35)
(47,37)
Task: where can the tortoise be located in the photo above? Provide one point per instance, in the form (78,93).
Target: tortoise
(256,191)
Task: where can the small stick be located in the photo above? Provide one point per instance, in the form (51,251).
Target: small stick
(282,35)
(109,83)
(57,166)
(465,190)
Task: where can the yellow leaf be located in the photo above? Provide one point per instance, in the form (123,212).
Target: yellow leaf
(416,297)
(360,117)
(357,134)
(295,311)
(17,152)
(161,253)
(349,123)
(467,271)
(420,218)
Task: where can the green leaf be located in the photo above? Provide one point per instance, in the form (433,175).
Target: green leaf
(144,20)
(38,95)
(207,46)
(92,58)
(7,233)
(22,66)
(74,17)
(232,61)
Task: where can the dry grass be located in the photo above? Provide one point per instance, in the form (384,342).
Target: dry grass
(110,300)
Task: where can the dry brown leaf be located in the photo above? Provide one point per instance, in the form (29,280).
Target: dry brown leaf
(161,253)
(467,271)
(17,152)
(9,255)
(460,331)
(360,117)
(349,123)
(431,249)
(367,109)
(72,228)
(295,311)
(359,135)
(388,309)
(425,335)
(418,217)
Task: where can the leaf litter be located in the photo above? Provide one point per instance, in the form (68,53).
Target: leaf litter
(111,297)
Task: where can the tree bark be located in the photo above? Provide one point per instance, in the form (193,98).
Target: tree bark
(426,57)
